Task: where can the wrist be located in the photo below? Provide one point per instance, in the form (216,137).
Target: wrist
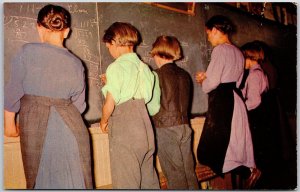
(103,121)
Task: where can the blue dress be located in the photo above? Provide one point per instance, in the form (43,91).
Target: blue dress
(42,69)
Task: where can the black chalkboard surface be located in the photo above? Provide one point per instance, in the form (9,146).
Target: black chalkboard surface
(20,28)
(89,20)
(152,22)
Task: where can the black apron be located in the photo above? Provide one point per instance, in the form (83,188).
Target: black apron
(215,136)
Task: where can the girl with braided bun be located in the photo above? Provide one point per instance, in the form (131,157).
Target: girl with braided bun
(47,88)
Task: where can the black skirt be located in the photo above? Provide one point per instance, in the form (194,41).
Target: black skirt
(215,136)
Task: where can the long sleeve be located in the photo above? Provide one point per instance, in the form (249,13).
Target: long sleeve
(214,71)
(79,96)
(13,90)
(255,85)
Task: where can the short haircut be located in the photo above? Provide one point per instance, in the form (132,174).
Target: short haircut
(124,34)
(167,47)
(221,23)
(53,17)
(254,51)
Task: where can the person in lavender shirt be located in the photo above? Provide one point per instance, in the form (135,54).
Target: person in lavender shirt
(47,88)
(225,144)
(254,87)
(257,82)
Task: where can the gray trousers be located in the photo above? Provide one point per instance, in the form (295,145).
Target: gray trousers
(131,147)
(174,149)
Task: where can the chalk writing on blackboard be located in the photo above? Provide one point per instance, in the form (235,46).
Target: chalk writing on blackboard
(75,9)
(29,8)
(20,27)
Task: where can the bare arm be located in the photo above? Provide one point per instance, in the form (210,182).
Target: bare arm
(107,110)
(10,128)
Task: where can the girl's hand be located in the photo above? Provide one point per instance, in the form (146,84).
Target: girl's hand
(200,77)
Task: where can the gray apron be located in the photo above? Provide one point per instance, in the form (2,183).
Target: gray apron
(34,114)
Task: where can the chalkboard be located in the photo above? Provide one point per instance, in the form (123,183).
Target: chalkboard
(152,22)
(89,20)
(20,28)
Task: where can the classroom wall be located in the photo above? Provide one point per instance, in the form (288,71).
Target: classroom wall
(281,39)
(152,22)
(20,28)
(89,20)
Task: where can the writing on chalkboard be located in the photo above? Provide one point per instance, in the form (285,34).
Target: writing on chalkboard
(74,8)
(29,8)
(89,20)
(20,28)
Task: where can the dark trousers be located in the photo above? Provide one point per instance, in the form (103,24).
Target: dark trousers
(176,157)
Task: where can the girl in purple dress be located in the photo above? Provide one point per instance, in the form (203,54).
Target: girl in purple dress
(254,87)
(226,142)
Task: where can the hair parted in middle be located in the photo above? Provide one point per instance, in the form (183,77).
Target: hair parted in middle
(124,34)
(254,51)
(167,47)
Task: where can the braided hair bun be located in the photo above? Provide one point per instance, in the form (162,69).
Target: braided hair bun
(55,18)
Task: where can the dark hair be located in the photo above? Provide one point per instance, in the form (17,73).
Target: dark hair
(124,34)
(221,23)
(265,47)
(254,51)
(54,17)
(167,47)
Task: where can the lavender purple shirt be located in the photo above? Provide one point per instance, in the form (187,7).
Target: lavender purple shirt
(227,65)
(255,85)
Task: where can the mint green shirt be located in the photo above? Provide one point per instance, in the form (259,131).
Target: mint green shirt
(128,77)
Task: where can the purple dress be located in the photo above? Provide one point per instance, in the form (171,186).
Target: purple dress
(226,66)
(257,83)
(262,119)
(42,69)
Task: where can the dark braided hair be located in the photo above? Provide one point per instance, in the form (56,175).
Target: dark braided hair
(54,17)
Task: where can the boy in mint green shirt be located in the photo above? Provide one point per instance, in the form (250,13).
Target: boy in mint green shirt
(130,86)
(122,77)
